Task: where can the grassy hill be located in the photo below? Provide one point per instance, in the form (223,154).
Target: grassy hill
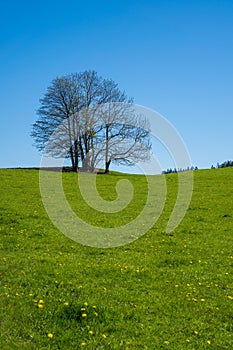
(160,292)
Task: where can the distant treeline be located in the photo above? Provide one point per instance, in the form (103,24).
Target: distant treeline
(225,164)
(179,170)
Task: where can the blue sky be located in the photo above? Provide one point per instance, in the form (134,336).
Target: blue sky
(175,57)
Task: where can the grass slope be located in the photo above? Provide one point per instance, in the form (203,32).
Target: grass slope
(160,292)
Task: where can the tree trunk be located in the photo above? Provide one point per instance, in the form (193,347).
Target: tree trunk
(107,162)
(107,166)
(76,156)
(72,158)
(81,149)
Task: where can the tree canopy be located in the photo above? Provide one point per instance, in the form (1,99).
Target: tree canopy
(89,120)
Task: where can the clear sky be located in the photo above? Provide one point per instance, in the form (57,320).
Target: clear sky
(175,57)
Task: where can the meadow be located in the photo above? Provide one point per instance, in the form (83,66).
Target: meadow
(163,291)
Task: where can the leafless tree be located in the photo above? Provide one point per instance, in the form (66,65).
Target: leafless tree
(125,136)
(93,119)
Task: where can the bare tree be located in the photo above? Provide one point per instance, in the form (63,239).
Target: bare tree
(59,103)
(93,119)
(125,135)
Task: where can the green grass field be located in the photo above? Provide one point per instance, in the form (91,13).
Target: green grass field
(163,291)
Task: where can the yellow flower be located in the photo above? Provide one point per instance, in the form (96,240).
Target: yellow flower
(41,301)
(208,342)
(230,297)
(83,343)
(66,304)
(86,304)
(50,335)
(40,306)
(104,336)
(96,313)
(83,308)
(196,332)
(166,342)
(91,332)
(94,307)
(84,315)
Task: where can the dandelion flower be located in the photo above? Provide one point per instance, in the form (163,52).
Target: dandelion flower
(94,307)
(208,342)
(83,308)
(41,301)
(96,313)
(166,342)
(86,304)
(50,335)
(84,315)
(66,304)
(40,306)
(104,336)
(91,332)
(83,343)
